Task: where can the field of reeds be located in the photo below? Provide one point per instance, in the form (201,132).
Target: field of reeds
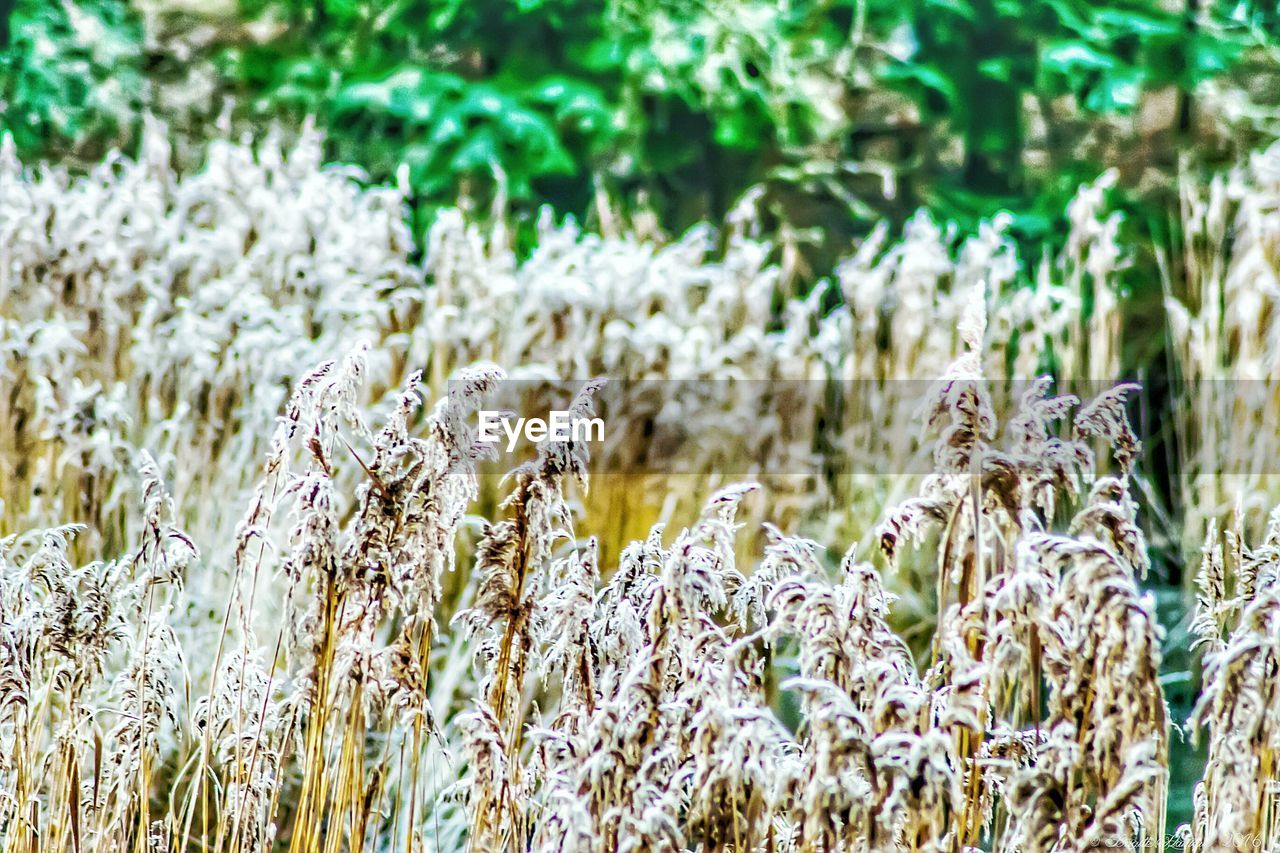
(262,588)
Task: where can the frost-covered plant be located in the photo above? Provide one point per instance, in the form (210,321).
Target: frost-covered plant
(1236,624)
(309,628)
(142,308)
(1224,324)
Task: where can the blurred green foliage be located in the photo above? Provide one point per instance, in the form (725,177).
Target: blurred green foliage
(978,64)
(532,100)
(452,90)
(692,102)
(845,110)
(72,78)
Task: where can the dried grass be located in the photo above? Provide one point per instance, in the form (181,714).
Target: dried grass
(349,647)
